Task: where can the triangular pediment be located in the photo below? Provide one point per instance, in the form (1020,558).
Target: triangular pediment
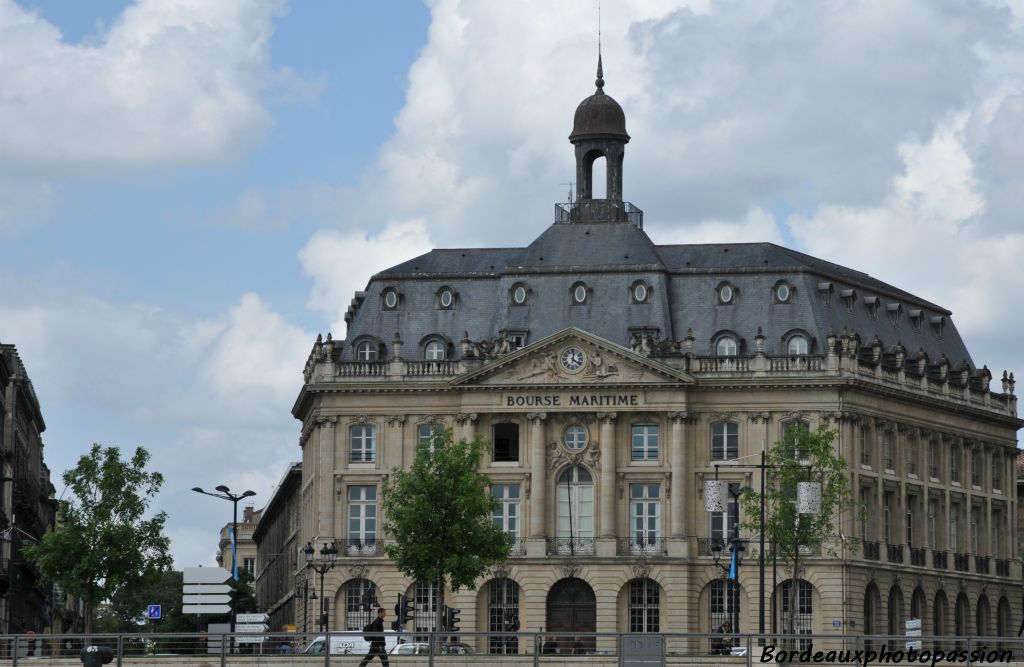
(547,363)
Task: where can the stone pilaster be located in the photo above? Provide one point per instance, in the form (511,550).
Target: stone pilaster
(538,465)
(680,474)
(609,463)
(325,516)
(467,426)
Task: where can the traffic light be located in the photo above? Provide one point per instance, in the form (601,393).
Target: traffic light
(403,609)
(451,619)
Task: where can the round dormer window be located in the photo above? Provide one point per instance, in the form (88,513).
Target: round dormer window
(446,298)
(519,294)
(725,294)
(579,294)
(391,299)
(782,293)
(640,293)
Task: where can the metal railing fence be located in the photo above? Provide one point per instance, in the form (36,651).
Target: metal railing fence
(482,648)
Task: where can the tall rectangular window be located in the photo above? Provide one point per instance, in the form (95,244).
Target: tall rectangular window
(644,515)
(932,509)
(429,436)
(723,524)
(645,442)
(997,528)
(249,565)
(506,442)
(725,438)
(506,516)
(912,457)
(954,464)
(997,472)
(363,441)
(975,467)
(362,516)
(865,503)
(933,459)
(954,527)
(887,457)
(911,501)
(865,449)
(974,529)
(887,517)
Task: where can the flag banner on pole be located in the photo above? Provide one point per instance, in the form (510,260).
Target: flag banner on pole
(733,564)
(234,559)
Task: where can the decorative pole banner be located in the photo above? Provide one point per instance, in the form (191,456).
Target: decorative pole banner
(234,559)
(808,498)
(734,565)
(716,495)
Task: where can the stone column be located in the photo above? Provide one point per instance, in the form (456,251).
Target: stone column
(608,469)
(467,426)
(325,500)
(538,468)
(680,475)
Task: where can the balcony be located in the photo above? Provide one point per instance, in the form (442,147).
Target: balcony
(598,210)
(940,560)
(872,551)
(962,562)
(894,553)
(651,546)
(570,546)
(918,556)
(364,547)
(1002,567)
(981,564)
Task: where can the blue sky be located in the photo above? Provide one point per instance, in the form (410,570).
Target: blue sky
(191,190)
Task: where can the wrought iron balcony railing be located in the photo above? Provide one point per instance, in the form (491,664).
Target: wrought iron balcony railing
(654,546)
(981,564)
(962,562)
(1002,567)
(894,553)
(940,560)
(918,556)
(364,547)
(872,551)
(570,546)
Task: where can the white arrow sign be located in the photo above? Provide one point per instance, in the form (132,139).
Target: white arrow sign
(205,575)
(205,609)
(205,599)
(252,618)
(205,589)
(250,639)
(251,627)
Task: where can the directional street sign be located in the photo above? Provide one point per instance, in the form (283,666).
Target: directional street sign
(205,575)
(205,599)
(251,627)
(205,608)
(204,589)
(252,618)
(153,612)
(250,639)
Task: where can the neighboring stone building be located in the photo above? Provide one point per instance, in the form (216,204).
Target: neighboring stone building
(245,547)
(27,504)
(277,551)
(612,375)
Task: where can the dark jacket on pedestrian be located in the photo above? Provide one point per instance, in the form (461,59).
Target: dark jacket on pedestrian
(376,634)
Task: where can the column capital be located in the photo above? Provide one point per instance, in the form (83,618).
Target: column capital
(607,417)
(536,417)
(466,417)
(760,417)
(326,420)
(677,417)
(395,420)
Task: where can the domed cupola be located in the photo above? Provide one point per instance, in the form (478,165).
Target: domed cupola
(599,116)
(599,131)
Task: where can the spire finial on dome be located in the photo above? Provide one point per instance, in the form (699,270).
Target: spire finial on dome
(600,70)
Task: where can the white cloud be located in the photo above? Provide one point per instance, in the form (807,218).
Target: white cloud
(210,399)
(171,81)
(758,225)
(340,263)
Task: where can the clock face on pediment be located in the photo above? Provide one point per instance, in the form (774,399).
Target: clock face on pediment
(573,359)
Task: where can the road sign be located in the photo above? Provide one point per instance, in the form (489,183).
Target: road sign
(251,627)
(205,608)
(252,618)
(204,589)
(205,575)
(205,599)
(250,639)
(153,612)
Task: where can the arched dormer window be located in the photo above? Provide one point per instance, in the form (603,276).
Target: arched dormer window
(797,344)
(726,346)
(435,348)
(368,349)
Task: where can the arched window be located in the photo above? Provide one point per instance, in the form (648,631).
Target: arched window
(434,350)
(803,619)
(726,347)
(724,610)
(896,626)
(1003,619)
(503,615)
(367,350)
(575,511)
(360,603)
(961,611)
(797,344)
(644,605)
(871,604)
(917,604)
(425,609)
(981,628)
(939,615)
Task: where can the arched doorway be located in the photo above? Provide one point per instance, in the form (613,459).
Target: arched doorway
(724,614)
(1003,620)
(961,612)
(871,602)
(503,615)
(981,628)
(895,611)
(939,617)
(803,610)
(917,605)
(572,607)
(360,603)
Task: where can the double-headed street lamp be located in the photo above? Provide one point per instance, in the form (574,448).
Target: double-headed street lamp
(328,554)
(225,494)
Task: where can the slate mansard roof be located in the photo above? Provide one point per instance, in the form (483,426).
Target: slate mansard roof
(683,283)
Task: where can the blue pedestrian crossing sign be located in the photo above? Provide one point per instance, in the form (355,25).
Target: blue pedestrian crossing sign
(153,612)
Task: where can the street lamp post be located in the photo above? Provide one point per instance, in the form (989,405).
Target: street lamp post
(328,554)
(225,494)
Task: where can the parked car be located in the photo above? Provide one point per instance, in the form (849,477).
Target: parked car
(350,644)
(423,648)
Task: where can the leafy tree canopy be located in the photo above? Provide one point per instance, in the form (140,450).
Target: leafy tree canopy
(102,545)
(438,512)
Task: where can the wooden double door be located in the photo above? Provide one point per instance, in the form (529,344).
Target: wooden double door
(572,608)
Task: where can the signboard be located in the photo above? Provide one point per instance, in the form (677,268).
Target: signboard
(251,627)
(642,650)
(250,639)
(837,624)
(913,627)
(153,612)
(204,590)
(252,618)
(528,401)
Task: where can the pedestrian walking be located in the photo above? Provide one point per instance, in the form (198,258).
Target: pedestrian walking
(373,632)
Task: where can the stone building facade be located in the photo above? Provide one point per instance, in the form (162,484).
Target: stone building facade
(27,505)
(612,376)
(245,546)
(277,551)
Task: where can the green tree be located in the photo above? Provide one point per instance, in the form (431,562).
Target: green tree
(801,456)
(438,512)
(103,545)
(125,611)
